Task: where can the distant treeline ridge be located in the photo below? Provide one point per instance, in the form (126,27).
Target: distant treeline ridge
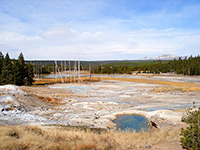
(186,66)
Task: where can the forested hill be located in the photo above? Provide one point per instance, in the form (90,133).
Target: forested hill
(48,66)
(52,62)
(186,66)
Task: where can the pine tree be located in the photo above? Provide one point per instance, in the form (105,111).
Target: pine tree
(6,75)
(29,75)
(190,136)
(16,72)
(22,70)
(1,65)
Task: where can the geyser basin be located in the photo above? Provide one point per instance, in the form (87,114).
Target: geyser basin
(132,122)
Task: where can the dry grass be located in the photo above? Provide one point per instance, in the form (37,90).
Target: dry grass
(40,91)
(33,138)
(59,80)
(176,88)
(152,81)
(182,86)
(172,86)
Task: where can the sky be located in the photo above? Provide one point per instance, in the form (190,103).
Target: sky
(99,29)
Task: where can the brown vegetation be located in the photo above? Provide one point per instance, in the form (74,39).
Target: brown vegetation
(40,91)
(152,81)
(182,86)
(176,88)
(33,137)
(172,86)
(52,101)
(43,81)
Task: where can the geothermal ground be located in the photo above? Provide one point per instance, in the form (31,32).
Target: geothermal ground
(162,99)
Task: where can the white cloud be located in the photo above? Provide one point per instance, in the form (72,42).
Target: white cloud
(12,24)
(10,37)
(68,41)
(148,30)
(58,32)
(168,29)
(67,33)
(98,29)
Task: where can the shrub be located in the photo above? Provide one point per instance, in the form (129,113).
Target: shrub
(190,136)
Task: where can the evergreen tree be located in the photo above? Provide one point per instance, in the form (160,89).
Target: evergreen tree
(186,66)
(1,65)
(21,70)
(6,75)
(16,72)
(190,136)
(29,75)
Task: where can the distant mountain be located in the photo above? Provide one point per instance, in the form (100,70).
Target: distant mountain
(162,57)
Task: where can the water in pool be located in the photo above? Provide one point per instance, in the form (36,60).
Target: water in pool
(132,122)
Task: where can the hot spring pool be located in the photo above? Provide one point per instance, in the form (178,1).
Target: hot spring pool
(132,122)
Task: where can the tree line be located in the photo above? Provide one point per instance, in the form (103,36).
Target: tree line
(186,66)
(128,68)
(15,71)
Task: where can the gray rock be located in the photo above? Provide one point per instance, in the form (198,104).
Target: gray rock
(147,146)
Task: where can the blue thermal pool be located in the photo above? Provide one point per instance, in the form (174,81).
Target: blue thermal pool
(132,122)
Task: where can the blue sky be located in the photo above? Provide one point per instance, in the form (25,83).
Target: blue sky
(99,29)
